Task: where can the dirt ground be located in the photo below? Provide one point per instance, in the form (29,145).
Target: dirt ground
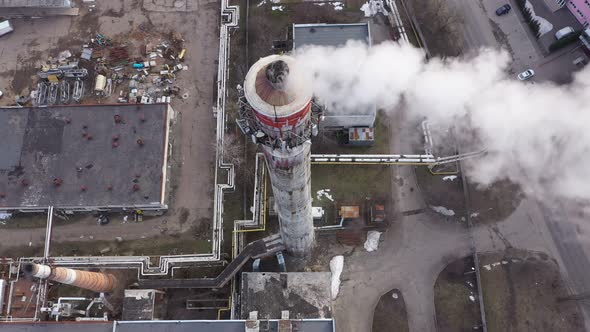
(455,298)
(192,136)
(390,313)
(493,203)
(522,292)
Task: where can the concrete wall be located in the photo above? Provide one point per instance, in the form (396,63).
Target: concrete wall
(290,174)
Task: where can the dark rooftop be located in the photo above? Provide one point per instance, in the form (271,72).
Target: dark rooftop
(329,34)
(83,156)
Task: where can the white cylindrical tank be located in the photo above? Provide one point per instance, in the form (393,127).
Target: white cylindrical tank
(100,83)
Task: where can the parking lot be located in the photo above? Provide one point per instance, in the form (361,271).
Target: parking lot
(481,27)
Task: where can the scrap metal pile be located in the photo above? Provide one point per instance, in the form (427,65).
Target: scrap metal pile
(103,67)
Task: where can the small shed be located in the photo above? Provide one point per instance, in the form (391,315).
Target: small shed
(349,212)
(361,136)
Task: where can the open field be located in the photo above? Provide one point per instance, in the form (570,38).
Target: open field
(522,292)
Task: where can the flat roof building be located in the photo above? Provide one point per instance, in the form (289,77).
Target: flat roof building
(84,157)
(322,34)
(306,295)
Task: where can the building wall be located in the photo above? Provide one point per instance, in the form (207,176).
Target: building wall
(581,11)
(555,5)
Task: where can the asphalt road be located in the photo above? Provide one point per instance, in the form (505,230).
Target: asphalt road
(566,223)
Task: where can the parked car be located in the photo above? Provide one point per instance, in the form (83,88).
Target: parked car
(564,32)
(5,27)
(525,75)
(503,10)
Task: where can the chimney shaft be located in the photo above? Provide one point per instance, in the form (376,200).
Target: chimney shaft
(281,111)
(94,281)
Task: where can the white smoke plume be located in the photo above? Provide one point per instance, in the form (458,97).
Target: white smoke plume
(537,135)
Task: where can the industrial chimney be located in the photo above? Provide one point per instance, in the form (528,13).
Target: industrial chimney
(94,281)
(277,115)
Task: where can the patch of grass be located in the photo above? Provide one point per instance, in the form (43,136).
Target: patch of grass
(455,311)
(523,293)
(37,220)
(390,313)
(349,183)
(438,192)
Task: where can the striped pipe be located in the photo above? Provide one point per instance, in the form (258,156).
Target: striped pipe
(94,281)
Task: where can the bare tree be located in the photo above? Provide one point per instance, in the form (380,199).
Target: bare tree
(441,26)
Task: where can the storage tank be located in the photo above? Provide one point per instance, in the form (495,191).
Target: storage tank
(100,83)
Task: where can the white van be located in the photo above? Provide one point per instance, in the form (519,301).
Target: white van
(563,32)
(5,27)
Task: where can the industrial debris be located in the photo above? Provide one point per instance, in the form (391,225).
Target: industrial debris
(103,66)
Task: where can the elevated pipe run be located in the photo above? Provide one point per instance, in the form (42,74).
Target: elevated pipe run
(394,159)
(94,281)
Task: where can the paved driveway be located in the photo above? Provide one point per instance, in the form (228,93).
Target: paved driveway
(482,28)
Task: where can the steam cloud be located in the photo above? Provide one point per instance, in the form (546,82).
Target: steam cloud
(538,135)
